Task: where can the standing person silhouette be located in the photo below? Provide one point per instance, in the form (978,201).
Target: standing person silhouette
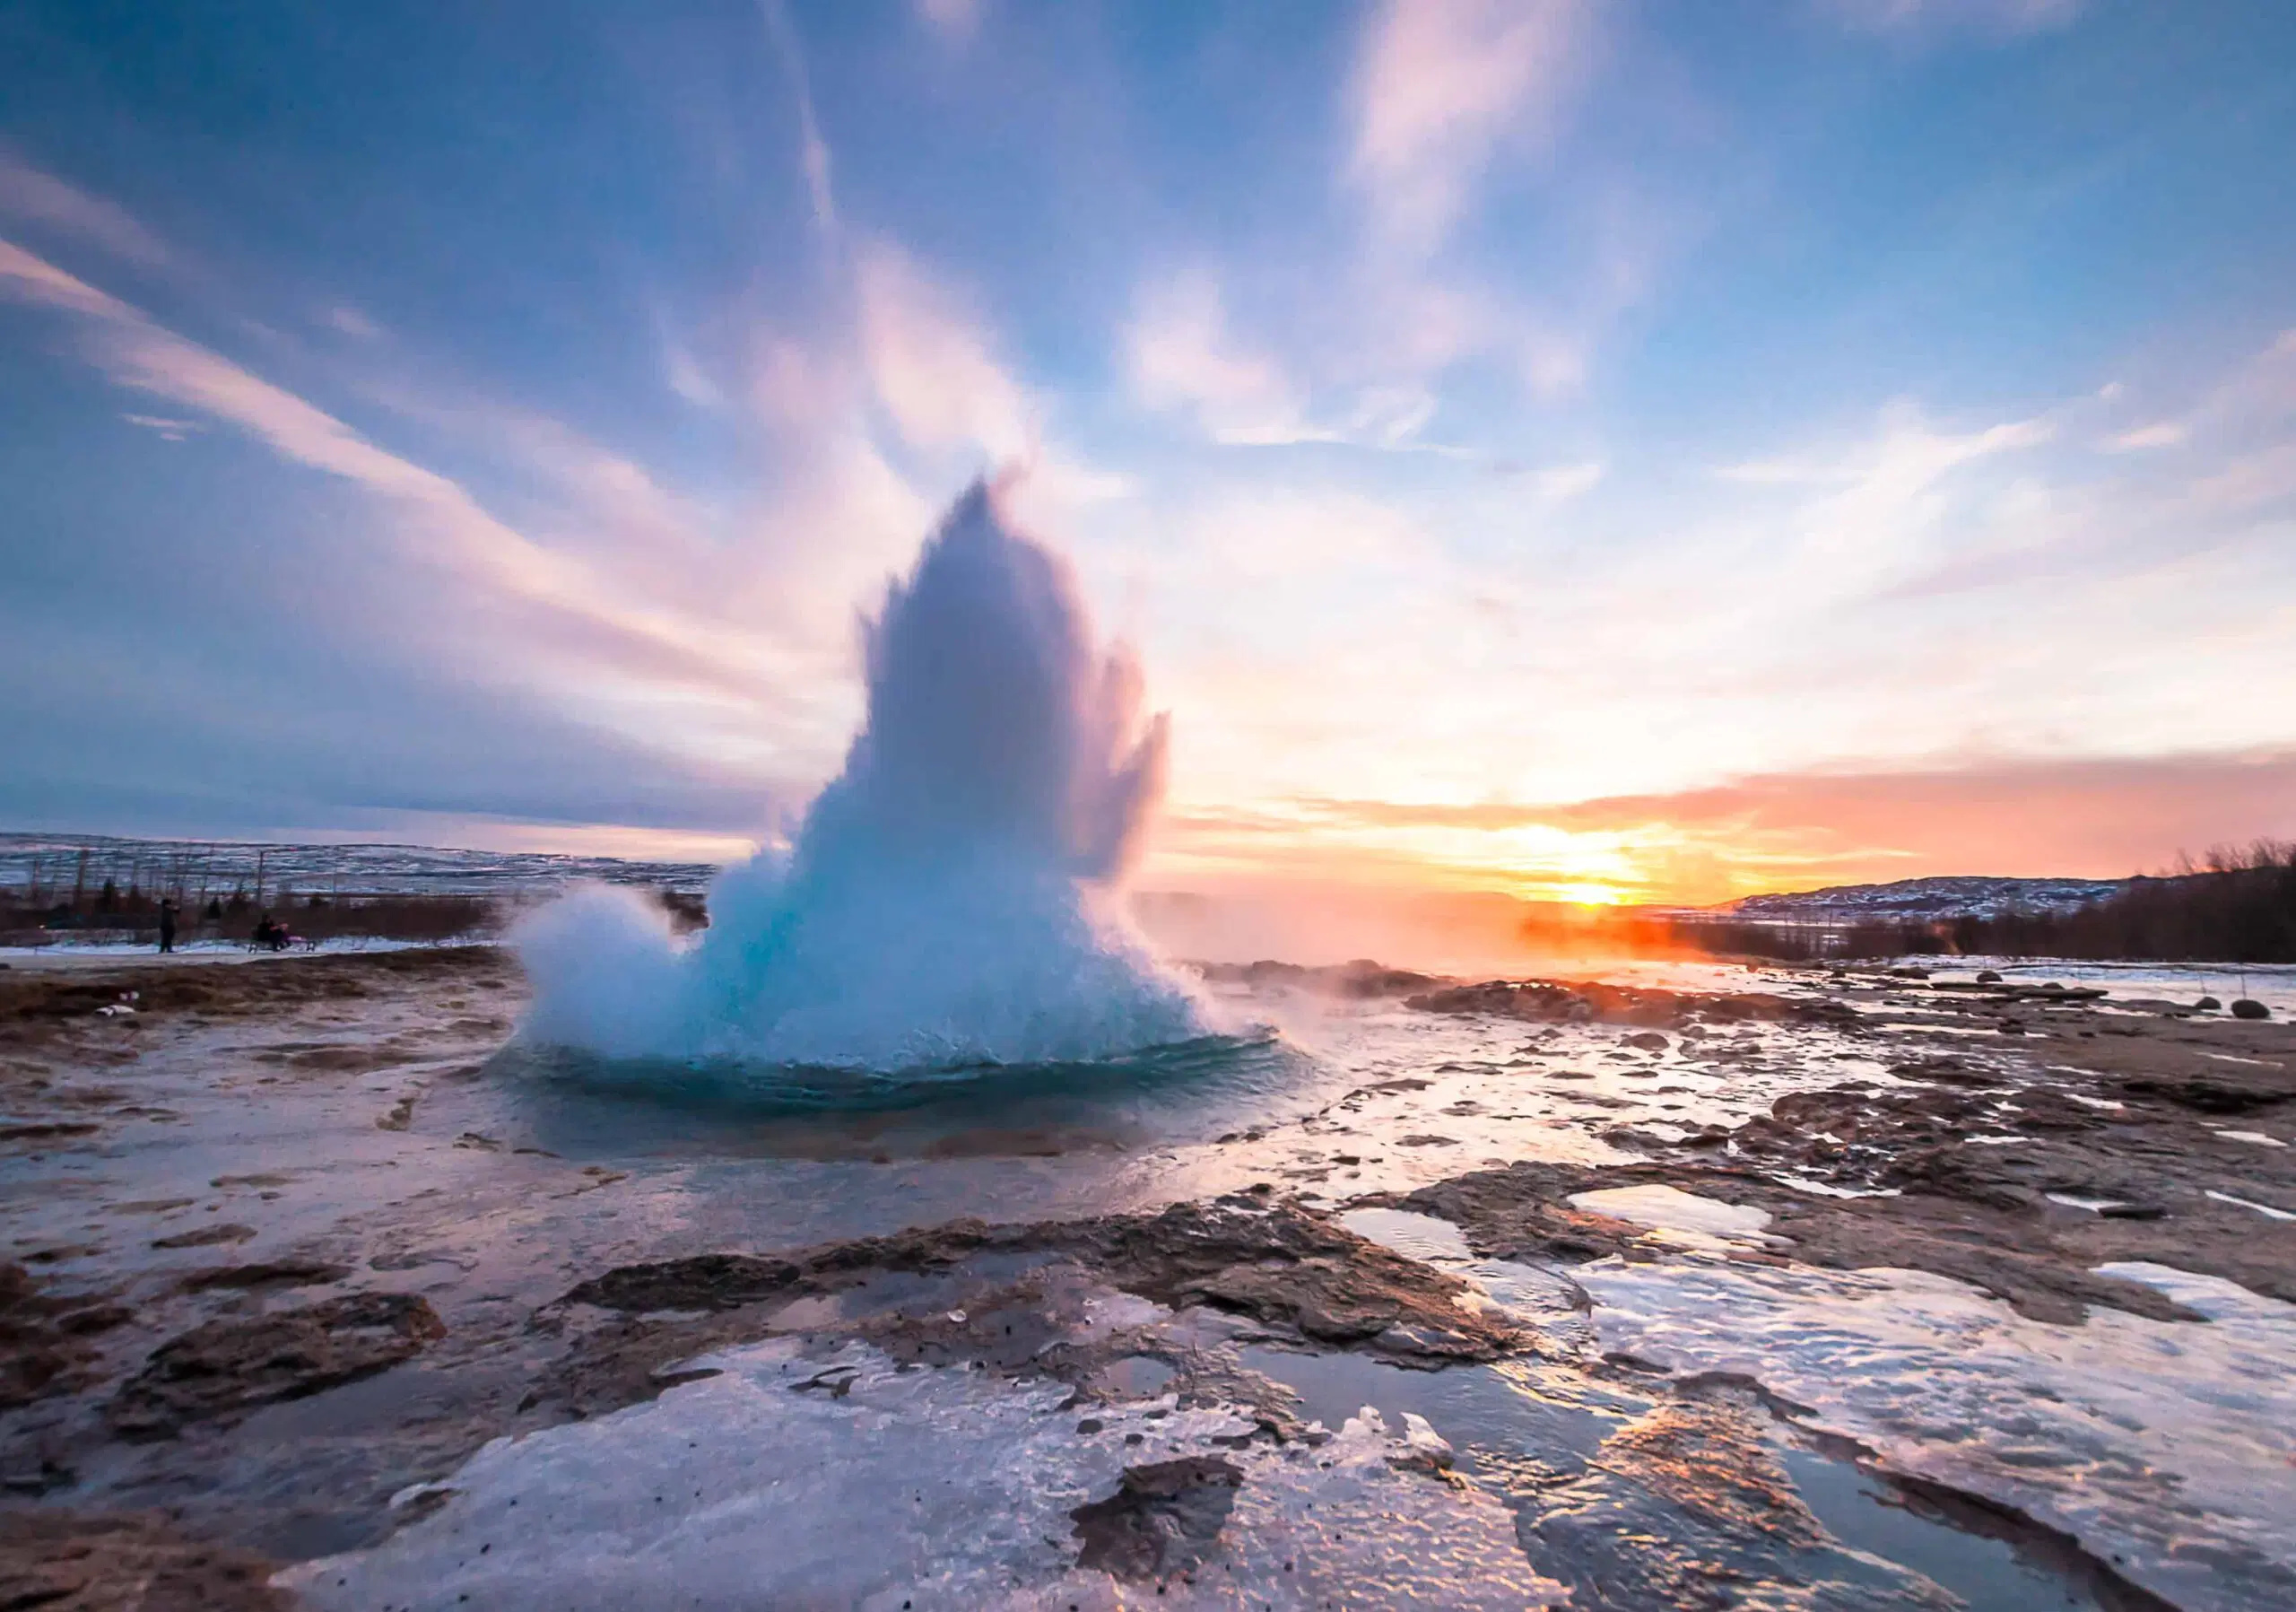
(167,925)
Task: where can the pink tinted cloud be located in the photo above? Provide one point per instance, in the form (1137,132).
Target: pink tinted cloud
(456,532)
(1439,84)
(2094,817)
(28,193)
(931,364)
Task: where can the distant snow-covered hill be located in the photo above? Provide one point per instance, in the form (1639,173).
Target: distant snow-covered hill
(60,862)
(1926,900)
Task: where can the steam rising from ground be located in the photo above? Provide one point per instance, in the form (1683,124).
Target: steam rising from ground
(947,898)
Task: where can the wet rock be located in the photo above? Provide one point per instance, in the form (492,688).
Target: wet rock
(1948,1071)
(131,1562)
(48,997)
(1587,1002)
(704,1281)
(2249,1007)
(227,1367)
(1985,976)
(1648,1041)
(1298,1274)
(46,1130)
(2243,1092)
(43,1347)
(1358,979)
(1162,1519)
(1982,1230)
(267,1273)
(1522,1213)
(1689,1506)
(2207,1005)
(1288,1267)
(1283,1266)
(206,1236)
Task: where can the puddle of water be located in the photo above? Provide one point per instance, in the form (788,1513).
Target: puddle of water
(1134,1377)
(1672,1210)
(1521,1430)
(1514,1410)
(1988,1574)
(1413,1236)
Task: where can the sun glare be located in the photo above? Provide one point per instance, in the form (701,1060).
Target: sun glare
(1589,895)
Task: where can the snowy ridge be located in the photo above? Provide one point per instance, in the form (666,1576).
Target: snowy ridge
(1955,896)
(53,862)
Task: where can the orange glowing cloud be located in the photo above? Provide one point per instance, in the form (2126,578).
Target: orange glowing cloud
(2096,817)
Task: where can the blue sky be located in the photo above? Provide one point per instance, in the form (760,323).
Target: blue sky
(1646,448)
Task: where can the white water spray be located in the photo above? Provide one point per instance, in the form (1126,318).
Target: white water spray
(947,900)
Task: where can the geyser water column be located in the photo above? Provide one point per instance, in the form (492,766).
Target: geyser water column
(946,901)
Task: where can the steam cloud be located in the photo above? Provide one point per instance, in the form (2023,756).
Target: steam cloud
(945,899)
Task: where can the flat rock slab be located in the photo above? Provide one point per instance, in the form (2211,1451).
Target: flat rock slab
(126,1562)
(230,1367)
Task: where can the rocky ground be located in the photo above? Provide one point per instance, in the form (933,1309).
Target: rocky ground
(282,1257)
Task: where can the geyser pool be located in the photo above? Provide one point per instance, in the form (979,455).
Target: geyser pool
(947,899)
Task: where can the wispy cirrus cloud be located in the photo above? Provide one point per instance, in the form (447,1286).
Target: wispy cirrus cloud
(31,195)
(1180,353)
(447,526)
(28,278)
(1930,19)
(166,429)
(1440,85)
(957,20)
(1560,483)
(351,322)
(930,362)
(1905,455)
(812,150)
(2138,439)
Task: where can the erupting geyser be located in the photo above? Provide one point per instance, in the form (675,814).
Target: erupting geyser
(947,900)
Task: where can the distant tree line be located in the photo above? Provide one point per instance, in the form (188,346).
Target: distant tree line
(31,917)
(2237,905)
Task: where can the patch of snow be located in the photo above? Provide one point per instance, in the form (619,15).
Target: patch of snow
(2263,1209)
(1817,1189)
(1672,1210)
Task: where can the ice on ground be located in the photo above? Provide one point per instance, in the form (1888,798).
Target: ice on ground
(2166,1447)
(845,1480)
(2266,1210)
(2074,1201)
(1672,1210)
(1413,1236)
